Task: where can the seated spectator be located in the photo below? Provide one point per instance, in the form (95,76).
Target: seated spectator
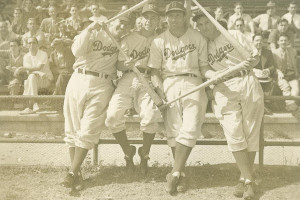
(244,37)
(61,64)
(39,74)
(65,8)
(286,62)
(63,32)
(219,16)
(74,22)
(18,25)
(293,18)
(50,25)
(5,37)
(282,28)
(238,9)
(96,11)
(265,70)
(34,31)
(15,60)
(29,11)
(267,21)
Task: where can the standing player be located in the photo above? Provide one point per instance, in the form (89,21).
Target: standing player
(89,91)
(131,93)
(176,57)
(238,103)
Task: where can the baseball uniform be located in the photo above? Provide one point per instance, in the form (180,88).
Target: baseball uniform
(90,88)
(238,103)
(179,60)
(130,92)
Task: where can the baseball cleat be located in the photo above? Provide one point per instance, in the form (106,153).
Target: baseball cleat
(171,185)
(182,184)
(239,189)
(144,161)
(69,180)
(129,160)
(248,191)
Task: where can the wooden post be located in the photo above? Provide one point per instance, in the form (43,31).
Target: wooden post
(95,155)
(261,145)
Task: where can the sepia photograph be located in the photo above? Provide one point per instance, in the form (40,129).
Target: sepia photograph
(149,99)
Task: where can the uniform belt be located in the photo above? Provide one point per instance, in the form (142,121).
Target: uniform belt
(143,71)
(239,74)
(186,74)
(87,72)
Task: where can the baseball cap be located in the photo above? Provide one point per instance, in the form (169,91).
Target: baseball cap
(175,6)
(200,14)
(271,4)
(150,8)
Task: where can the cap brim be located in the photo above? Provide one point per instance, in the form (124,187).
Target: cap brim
(175,9)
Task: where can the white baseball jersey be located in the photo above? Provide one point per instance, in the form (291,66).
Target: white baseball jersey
(238,102)
(96,53)
(130,93)
(175,56)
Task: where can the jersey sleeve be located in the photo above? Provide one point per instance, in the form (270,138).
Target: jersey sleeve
(156,54)
(81,42)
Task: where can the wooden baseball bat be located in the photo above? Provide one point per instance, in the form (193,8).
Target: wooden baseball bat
(216,79)
(154,96)
(243,52)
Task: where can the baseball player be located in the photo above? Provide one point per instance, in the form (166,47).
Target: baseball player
(89,91)
(238,103)
(176,57)
(131,93)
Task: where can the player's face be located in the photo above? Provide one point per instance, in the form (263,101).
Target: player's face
(149,21)
(283,42)
(176,19)
(282,27)
(206,27)
(258,42)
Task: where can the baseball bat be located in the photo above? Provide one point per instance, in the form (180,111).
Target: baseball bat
(216,79)
(243,52)
(154,96)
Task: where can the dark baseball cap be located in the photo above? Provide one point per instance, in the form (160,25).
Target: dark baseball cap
(201,14)
(150,8)
(175,6)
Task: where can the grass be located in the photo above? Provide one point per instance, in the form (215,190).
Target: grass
(111,183)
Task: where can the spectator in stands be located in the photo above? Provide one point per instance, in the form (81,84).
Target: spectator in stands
(39,74)
(34,31)
(282,28)
(66,7)
(286,62)
(15,60)
(50,25)
(29,11)
(5,37)
(18,25)
(74,22)
(96,11)
(265,70)
(244,37)
(85,12)
(61,64)
(63,32)
(293,18)
(238,9)
(219,16)
(267,21)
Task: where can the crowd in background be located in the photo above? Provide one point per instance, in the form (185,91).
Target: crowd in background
(48,27)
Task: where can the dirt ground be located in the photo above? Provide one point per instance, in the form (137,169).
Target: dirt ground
(112,183)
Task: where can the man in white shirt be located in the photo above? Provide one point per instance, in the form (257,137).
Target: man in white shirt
(95,9)
(238,9)
(293,18)
(39,74)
